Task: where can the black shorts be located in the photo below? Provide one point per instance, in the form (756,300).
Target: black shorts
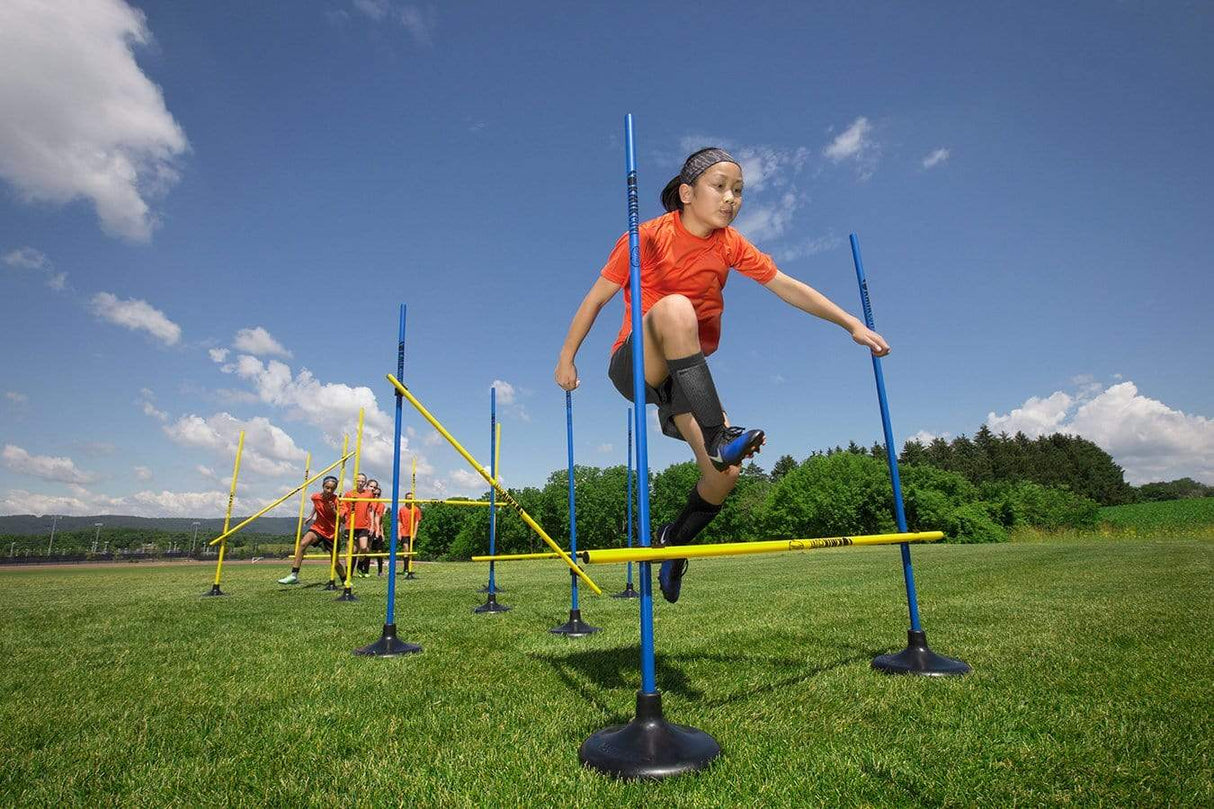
(377,544)
(619,371)
(325,543)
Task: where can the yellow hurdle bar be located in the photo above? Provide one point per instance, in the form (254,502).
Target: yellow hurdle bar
(228,532)
(506,497)
(516,557)
(637,554)
(619,555)
(404,501)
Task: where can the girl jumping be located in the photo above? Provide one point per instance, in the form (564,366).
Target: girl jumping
(686,256)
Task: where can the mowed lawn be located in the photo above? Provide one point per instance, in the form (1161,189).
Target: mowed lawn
(1091,685)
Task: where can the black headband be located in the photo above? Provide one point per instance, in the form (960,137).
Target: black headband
(699,162)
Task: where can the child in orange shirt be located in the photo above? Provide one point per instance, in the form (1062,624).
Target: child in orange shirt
(360,512)
(321,531)
(408,518)
(377,527)
(686,256)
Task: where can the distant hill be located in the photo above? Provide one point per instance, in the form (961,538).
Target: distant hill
(30,525)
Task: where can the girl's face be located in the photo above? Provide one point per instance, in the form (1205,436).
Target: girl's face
(716,197)
(329,486)
(360,482)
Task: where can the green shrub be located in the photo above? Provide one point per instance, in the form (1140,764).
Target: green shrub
(971,524)
(831,495)
(1024,503)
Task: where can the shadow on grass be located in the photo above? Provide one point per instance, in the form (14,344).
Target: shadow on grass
(590,673)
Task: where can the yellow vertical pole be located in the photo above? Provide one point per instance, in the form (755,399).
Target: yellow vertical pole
(348,595)
(341,478)
(227,519)
(412,527)
(303,498)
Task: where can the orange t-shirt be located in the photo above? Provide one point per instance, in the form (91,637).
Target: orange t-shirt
(378,509)
(675,262)
(408,519)
(326,515)
(362,509)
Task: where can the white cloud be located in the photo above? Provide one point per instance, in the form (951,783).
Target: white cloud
(936,158)
(759,222)
(924,437)
(466,483)
(255,341)
(268,449)
(81,120)
(27,258)
(605,448)
(419,22)
(1148,439)
(15,397)
(218,355)
(136,315)
(143,473)
(809,247)
(856,144)
(60,470)
(505,391)
(1035,417)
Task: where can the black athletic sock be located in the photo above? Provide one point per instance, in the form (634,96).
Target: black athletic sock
(295,570)
(694,518)
(694,390)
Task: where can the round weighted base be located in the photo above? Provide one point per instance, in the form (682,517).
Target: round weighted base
(648,747)
(627,592)
(575,627)
(214,591)
(496,589)
(331,586)
(917,658)
(388,645)
(409,575)
(491,605)
(347,595)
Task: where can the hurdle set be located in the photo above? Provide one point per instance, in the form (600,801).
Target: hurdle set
(648,746)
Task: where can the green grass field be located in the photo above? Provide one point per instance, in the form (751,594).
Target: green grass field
(1167,514)
(1092,668)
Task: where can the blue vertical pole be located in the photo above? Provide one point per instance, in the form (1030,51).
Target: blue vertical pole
(648,672)
(400,374)
(629,583)
(573,605)
(492,491)
(891,454)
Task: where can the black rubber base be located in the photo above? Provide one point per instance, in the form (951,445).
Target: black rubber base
(496,589)
(627,592)
(214,591)
(648,747)
(575,627)
(331,586)
(347,595)
(409,575)
(916,658)
(388,645)
(491,605)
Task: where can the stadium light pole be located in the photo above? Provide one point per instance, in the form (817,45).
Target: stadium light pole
(97,536)
(54,522)
(195,539)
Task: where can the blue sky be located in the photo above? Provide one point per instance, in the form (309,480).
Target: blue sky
(209,215)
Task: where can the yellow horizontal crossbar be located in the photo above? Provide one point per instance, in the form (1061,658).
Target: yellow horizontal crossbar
(506,497)
(618,555)
(514,557)
(356,555)
(405,502)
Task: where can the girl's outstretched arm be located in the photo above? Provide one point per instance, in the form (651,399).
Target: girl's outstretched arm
(808,299)
(598,296)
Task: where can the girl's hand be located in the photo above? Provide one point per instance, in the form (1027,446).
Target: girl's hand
(871,340)
(566,375)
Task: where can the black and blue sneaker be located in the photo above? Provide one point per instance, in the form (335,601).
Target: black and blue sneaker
(670,578)
(735,445)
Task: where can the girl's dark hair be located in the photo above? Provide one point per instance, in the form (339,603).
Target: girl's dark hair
(327,479)
(670,194)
